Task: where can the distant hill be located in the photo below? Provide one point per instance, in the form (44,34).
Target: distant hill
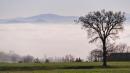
(42,18)
(47,18)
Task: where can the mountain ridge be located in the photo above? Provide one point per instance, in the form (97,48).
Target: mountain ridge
(47,18)
(42,18)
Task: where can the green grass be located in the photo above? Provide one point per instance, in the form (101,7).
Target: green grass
(88,67)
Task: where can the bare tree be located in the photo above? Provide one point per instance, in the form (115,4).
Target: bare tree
(37,60)
(15,57)
(117,48)
(103,25)
(78,60)
(96,55)
(28,59)
(121,48)
(69,58)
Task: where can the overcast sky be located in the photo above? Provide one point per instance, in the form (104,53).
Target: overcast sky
(25,8)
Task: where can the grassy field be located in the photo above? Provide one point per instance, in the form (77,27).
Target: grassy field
(86,67)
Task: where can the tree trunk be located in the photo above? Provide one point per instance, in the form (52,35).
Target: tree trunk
(104,54)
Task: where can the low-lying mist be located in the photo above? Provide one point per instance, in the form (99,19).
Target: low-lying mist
(51,40)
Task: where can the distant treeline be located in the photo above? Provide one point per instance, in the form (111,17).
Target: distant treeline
(118,49)
(95,55)
(12,57)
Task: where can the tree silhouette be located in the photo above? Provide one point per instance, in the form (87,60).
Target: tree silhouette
(103,25)
(96,55)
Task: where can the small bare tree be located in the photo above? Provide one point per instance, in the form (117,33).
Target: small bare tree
(103,25)
(96,55)
(69,58)
(121,48)
(28,59)
(117,48)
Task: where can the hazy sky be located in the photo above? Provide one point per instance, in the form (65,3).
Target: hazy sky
(24,8)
